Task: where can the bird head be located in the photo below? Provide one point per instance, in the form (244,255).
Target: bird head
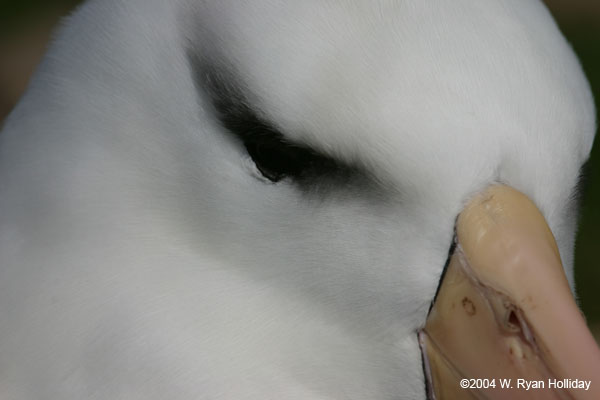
(336,199)
(410,170)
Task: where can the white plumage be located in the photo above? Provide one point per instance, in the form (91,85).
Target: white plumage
(140,256)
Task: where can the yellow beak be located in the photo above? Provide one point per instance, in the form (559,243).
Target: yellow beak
(504,317)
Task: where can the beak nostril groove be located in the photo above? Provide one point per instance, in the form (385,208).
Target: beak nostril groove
(512,321)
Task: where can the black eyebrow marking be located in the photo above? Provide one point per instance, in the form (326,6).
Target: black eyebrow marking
(275,156)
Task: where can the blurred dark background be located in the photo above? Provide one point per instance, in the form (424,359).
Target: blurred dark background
(26,26)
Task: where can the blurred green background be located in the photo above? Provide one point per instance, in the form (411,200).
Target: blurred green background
(26,25)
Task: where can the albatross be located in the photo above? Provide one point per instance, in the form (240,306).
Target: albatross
(234,199)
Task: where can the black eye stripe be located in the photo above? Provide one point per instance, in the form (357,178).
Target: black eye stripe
(275,156)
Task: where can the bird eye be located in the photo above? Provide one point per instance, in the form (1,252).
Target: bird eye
(271,163)
(277,159)
(274,156)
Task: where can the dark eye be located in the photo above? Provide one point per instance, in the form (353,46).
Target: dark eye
(275,157)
